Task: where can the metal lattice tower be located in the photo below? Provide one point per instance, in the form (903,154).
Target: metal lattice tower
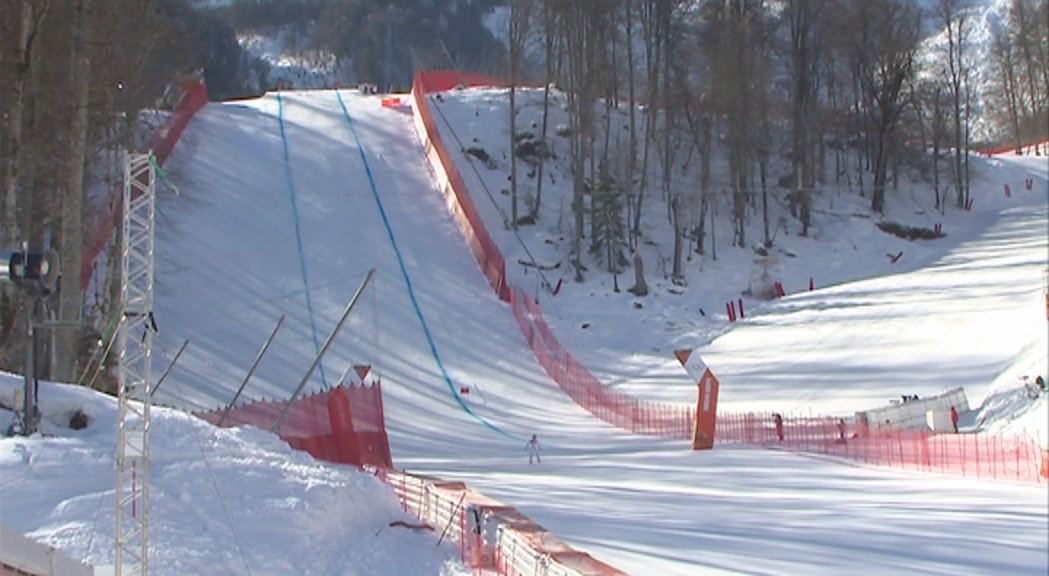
(136,363)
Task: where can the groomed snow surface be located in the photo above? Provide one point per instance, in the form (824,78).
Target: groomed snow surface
(287,202)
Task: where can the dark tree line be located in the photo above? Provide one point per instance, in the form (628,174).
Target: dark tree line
(387,40)
(1020,53)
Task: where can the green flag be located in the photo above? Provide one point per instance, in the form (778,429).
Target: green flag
(161,173)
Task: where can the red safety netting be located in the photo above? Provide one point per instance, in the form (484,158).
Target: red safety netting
(978,455)
(1013,149)
(488,256)
(443,80)
(194,97)
(616,408)
(344,425)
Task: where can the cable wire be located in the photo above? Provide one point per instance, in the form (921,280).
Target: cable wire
(408,281)
(218,493)
(298,233)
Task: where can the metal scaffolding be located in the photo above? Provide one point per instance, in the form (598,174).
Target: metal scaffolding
(135,366)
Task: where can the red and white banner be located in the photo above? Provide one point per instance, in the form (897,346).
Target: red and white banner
(705,426)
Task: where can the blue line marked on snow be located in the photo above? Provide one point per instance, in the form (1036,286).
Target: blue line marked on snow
(408,280)
(298,234)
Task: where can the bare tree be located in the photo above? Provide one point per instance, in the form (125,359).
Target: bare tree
(71,248)
(883,50)
(578,32)
(31,19)
(805,64)
(551,61)
(1008,89)
(738,50)
(957,78)
(652,31)
(631,167)
(520,17)
(1028,30)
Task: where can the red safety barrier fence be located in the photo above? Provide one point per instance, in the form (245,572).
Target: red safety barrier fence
(612,406)
(616,408)
(459,201)
(492,536)
(1012,148)
(194,97)
(988,456)
(343,425)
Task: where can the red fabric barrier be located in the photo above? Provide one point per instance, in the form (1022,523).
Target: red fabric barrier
(611,406)
(616,408)
(442,80)
(987,456)
(488,256)
(1012,148)
(194,97)
(344,425)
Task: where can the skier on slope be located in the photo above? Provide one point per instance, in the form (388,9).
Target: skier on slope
(533,450)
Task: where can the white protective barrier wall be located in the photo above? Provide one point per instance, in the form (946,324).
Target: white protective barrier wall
(490,535)
(921,414)
(20,555)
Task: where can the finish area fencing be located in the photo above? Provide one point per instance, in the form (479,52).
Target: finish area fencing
(987,456)
(492,537)
(344,425)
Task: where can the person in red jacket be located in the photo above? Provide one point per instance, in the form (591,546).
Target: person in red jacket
(778,420)
(954,419)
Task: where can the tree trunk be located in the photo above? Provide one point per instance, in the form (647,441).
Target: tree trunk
(70,298)
(640,287)
(23,61)
(677,276)
(704,185)
(548,21)
(631,168)
(881,157)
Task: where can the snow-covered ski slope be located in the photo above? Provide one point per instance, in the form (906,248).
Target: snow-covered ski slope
(279,213)
(267,225)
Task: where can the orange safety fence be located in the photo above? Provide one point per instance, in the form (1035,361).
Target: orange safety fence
(344,425)
(616,408)
(194,97)
(492,537)
(1013,149)
(459,201)
(983,455)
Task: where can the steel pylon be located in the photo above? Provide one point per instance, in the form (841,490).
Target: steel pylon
(135,340)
